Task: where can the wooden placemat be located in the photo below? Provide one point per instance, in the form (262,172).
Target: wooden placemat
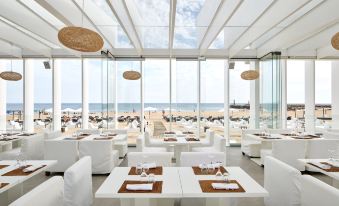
(197,171)
(332,169)
(155,171)
(169,132)
(306,137)
(157,187)
(3,185)
(3,166)
(265,137)
(78,138)
(289,135)
(261,135)
(8,139)
(191,139)
(103,138)
(20,171)
(170,140)
(112,135)
(27,134)
(187,132)
(85,134)
(206,186)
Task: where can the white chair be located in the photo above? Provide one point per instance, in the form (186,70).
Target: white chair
(89,131)
(282,183)
(189,159)
(160,158)
(31,148)
(140,144)
(78,184)
(208,141)
(315,192)
(52,134)
(104,159)
(50,192)
(65,152)
(250,147)
(120,145)
(289,151)
(219,145)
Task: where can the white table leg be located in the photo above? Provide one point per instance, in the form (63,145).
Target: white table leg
(221,201)
(177,153)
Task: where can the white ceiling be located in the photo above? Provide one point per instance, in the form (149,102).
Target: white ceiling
(177,28)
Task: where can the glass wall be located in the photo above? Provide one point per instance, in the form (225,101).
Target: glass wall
(185,96)
(71,93)
(295,93)
(239,97)
(129,100)
(156,79)
(323,108)
(43,101)
(212,96)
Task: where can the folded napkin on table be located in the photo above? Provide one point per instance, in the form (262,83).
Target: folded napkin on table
(139,186)
(225,186)
(215,165)
(320,165)
(334,163)
(149,165)
(31,168)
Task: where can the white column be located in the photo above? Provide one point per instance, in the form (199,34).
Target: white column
(283,93)
(85,109)
(28,96)
(254,98)
(335,95)
(198,96)
(3,97)
(56,95)
(310,96)
(226,103)
(142,112)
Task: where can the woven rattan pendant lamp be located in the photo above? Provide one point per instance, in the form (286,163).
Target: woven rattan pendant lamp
(80,38)
(131,75)
(335,41)
(10,75)
(250,75)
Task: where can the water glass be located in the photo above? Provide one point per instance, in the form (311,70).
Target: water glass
(210,168)
(138,169)
(226,177)
(218,174)
(331,153)
(203,168)
(151,178)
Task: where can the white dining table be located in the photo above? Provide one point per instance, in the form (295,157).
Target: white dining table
(14,189)
(333,175)
(179,183)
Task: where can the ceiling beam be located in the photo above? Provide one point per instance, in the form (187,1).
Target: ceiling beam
(10,49)
(121,13)
(327,51)
(277,12)
(310,23)
(225,11)
(172,24)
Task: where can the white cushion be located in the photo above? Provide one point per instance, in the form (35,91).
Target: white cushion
(318,148)
(101,154)
(48,193)
(122,147)
(140,143)
(219,145)
(315,192)
(189,159)
(10,154)
(263,154)
(289,151)
(160,159)
(116,131)
(78,184)
(282,183)
(89,131)
(64,151)
(52,134)
(33,147)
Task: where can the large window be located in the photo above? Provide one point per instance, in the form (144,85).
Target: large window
(42,94)
(71,92)
(239,97)
(129,100)
(295,93)
(212,96)
(156,74)
(323,94)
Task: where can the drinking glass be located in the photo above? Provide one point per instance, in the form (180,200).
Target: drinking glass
(210,168)
(203,168)
(151,178)
(218,174)
(138,169)
(226,177)
(331,153)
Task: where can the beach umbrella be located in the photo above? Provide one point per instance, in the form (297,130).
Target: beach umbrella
(168,109)
(150,109)
(50,110)
(68,110)
(78,110)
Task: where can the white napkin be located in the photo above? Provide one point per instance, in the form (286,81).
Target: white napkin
(31,168)
(322,166)
(101,137)
(149,165)
(139,186)
(215,165)
(334,163)
(225,186)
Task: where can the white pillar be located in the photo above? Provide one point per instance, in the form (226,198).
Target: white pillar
(310,96)
(226,103)
(56,95)
(254,98)
(28,95)
(3,97)
(142,112)
(283,93)
(85,108)
(335,95)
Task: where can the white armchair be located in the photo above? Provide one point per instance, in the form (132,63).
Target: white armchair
(120,145)
(189,159)
(315,192)
(282,183)
(52,134)
(104,159)
(219,145)
(65,152)
(140,143)
(160,158)
(49,193)
(78,184)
